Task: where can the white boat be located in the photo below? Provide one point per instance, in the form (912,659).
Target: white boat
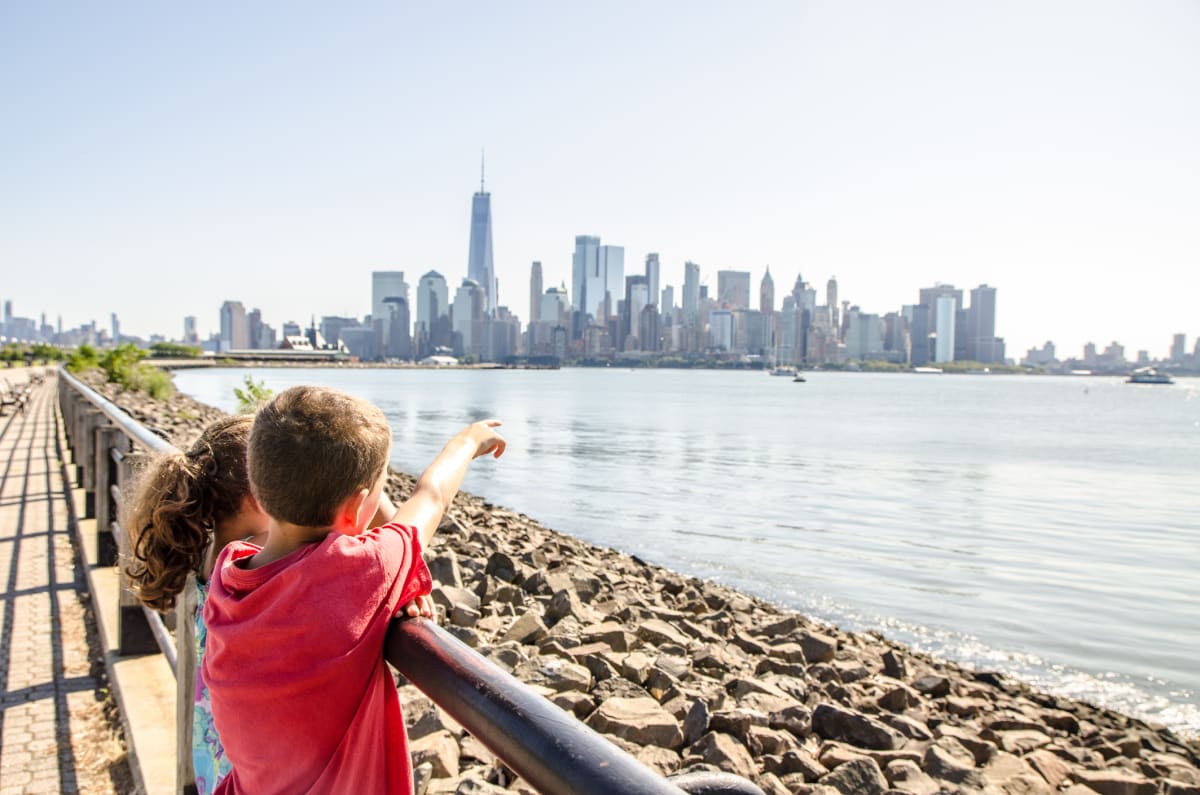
(783,370)
(1148,375)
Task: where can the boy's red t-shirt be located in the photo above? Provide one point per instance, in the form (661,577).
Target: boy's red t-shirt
(301,696)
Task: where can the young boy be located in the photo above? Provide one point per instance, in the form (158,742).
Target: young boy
(301,696)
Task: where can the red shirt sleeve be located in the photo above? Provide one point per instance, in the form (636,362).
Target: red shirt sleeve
(399,550)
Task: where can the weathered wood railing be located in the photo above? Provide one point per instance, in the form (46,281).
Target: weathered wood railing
(547,747)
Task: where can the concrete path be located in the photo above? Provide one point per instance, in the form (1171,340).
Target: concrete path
(55,733)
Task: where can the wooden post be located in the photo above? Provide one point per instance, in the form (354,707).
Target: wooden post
(108,438)
(185,686)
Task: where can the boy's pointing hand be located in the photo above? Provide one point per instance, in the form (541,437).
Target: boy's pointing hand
(485,438)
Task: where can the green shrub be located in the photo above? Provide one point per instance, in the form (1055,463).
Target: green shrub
(154,382)
(254,395)
(83,358)
(120,364)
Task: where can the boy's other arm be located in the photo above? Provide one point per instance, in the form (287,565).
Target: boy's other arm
(441,480)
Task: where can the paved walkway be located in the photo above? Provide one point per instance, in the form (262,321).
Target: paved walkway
(55,735)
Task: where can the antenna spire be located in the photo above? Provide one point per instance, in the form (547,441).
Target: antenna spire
(481,164)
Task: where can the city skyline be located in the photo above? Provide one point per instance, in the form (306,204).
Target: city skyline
(888,146)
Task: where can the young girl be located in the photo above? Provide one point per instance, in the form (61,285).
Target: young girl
(185,508)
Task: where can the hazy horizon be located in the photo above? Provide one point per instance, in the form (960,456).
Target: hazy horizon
(165,159)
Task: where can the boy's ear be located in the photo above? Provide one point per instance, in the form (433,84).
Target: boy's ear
(351,511)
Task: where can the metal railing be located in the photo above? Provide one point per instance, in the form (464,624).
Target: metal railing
(546,746)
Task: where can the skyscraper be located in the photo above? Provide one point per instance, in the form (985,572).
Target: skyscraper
(652,273)
(235,331)
(385,285)
(189,330)
(535,292)
(982,343)
(733,289)
(467,314)
(479,258)
(116,329)
(831,298)
(766,294)
(691,294)
(944,317)
(612,265)
(584,264)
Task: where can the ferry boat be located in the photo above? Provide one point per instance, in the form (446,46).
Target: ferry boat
(783,370)
(1148,375)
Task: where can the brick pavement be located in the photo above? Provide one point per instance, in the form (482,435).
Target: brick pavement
(54,736)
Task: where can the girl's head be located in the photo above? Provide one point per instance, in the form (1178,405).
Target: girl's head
(177,504)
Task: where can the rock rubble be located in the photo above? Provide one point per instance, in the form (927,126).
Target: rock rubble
(687,674)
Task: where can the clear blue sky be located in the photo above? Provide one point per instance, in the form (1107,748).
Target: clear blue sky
(157,159)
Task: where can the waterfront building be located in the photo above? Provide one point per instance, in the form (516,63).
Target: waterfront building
(650,329)
(290,328)
(652,277)
(332,325)
(691,295)
(831,298)
(359,342)
(637,297)
(535,292)
(386,285)
(612,264)
(433,315)
(753,332)
(116,328)
(982,344)
(766,294)
(1178,347)
(944,323)
(733,289)
(896,341)
(864,335)
(466,315)
(480,268)
(235,331)
(720,330)
(190,335)
(587,283)
(1040,357)
(667,302)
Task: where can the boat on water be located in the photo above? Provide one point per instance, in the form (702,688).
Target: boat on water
(1148,375)
(783,370)
(799,379)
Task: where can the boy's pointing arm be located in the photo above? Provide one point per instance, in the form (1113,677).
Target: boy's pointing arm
(441,480)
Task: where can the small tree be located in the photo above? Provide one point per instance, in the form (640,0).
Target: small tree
(252,396)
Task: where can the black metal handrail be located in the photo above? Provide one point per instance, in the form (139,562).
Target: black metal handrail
(546,746)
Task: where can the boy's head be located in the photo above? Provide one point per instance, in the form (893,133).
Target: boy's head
(311,449)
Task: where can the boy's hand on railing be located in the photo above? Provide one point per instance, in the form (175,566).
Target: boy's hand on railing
(420,606)
(485,439)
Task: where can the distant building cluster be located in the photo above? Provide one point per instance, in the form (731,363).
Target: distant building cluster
(1113,359)
(610,313)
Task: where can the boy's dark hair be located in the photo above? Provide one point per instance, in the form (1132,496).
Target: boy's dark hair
(311,448)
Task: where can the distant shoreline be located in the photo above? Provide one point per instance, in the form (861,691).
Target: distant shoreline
(213,363)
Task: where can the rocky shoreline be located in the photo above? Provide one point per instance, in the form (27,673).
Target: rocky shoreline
(688,674)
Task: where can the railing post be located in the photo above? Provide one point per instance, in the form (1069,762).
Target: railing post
(185,686)
(92,420)
(134,635)
(110,440)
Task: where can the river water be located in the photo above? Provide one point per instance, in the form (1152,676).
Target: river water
(1048,527)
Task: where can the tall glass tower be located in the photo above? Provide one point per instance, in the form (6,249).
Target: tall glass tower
(479,260)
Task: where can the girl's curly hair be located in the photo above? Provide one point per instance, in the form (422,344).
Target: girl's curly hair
(177,503)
